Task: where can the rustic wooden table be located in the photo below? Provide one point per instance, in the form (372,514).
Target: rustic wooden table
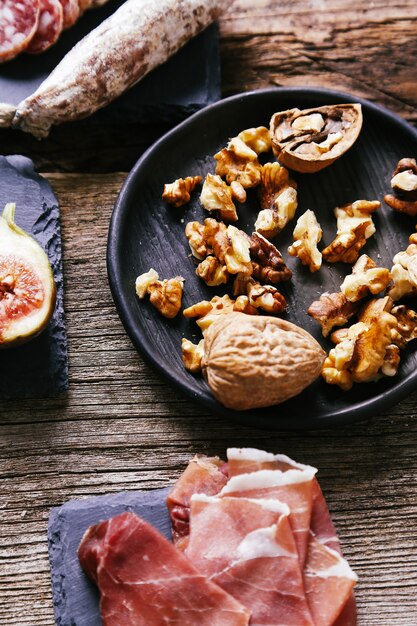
(120,427)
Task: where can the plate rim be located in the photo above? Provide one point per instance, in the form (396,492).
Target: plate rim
(364,409)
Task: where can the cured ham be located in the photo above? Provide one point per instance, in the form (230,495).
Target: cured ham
(145,581)
(202,475)
(341,605)
(293,487)
(256,560)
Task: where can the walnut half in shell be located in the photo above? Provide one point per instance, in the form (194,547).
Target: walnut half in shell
(308,141)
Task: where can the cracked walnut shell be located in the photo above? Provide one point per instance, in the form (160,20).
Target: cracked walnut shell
(308,141)
(179,192)
(257,361)
(307,234)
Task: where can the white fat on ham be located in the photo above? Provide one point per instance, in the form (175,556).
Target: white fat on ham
(265,479)
(246,546)
(260,458)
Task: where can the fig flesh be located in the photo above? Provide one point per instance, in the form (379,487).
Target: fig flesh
(27,287)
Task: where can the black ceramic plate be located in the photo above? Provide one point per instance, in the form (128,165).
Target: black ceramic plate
(145,233)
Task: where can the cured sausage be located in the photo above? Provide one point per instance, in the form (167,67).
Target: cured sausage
(18,24)
(71,10)
(49,27)
(111,59)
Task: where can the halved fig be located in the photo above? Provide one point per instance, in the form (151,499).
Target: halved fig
(27,288)
(308,141)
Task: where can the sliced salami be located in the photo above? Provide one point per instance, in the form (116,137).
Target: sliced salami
(71,10)
(18,25)
(51,22)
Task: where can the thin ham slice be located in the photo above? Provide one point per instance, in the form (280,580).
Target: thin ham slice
(145,581)
(293,487)
(340,598)
(203,475)
(256,559)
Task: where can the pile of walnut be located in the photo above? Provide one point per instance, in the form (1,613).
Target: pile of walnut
(363,352)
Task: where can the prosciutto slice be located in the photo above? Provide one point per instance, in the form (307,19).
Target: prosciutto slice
(293,487)
(340,602)
(202,475)
(256,560)
(145,581)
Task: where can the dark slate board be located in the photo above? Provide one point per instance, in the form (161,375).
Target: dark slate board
(40,367)
(184,84)
(76,600)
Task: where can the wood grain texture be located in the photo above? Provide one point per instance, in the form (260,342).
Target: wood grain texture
(120,427)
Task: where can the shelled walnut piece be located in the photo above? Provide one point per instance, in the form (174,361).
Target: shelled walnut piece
(165,295)
(216,195)
(354,227)
(404,271)
(310,140)
(365,351)
(258,361)
(278,199)
(258,139)
(404,184)
(192,354)
(332,309)
(307,234)
(265,297)
(366,278)
(406,329)
(237,162)
(232,246)
(179,192)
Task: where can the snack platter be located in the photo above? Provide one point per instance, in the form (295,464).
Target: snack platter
(145,233)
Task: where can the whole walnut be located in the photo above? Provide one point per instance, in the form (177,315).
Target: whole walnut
(257,361)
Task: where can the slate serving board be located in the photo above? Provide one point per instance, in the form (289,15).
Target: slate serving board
(75,597)
(40,367)
(185,83)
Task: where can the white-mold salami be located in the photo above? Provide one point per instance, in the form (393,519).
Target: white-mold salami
(71,9)
(50,26)
(18,24)
(112,58)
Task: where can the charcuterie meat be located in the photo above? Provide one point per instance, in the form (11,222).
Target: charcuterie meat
(293,487)
(51,21)
(71,9)
(202,475)
(18,24)
(112,58)
(323,531)
(255,559)
(145,581)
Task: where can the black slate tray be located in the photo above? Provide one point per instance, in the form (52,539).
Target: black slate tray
(185,83)
(75,597)
(40,367)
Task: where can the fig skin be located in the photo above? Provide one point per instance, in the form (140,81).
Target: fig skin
(20,252)
(256,361)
